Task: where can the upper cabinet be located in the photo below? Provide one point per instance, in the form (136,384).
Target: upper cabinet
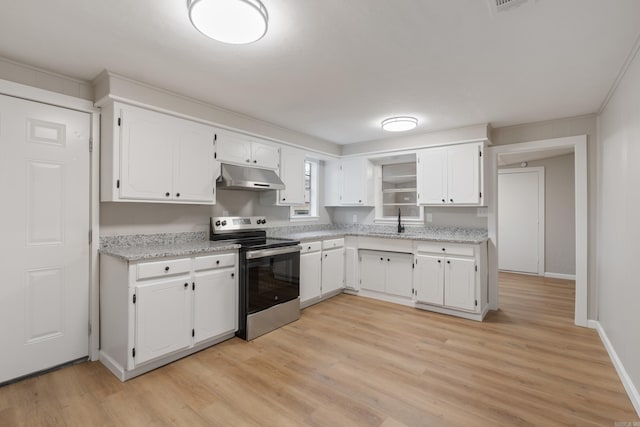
(451,175)
(349,182)
(237,148)
(292,174)
(153,157)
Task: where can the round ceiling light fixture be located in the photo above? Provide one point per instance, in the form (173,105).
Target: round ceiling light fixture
(399,124)
(229,21)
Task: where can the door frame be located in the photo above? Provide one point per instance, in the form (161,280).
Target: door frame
(42,96)
(541,209)
(579,144)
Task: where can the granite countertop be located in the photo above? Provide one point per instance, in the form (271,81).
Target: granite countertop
(141,247)
(437,234)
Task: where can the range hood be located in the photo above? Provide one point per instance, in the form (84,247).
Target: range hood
(234,177)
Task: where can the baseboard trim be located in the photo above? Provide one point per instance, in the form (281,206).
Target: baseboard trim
(560,276)
(632,390)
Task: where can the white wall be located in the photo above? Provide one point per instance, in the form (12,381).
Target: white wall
(618,224)
(560,220)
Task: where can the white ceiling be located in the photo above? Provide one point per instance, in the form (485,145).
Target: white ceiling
(335,68)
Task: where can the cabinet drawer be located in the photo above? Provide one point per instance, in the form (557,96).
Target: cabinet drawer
(333,243)
(172,267)
(446,249)
(214,261)
(310,247)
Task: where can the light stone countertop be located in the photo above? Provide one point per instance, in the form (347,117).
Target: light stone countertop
(444,234)
(149,251)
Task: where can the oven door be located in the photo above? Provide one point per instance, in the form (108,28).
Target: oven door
(272,277)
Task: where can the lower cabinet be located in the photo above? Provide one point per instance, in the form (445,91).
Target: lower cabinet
(322,270)
(387,272)
(451,276)
(154,312)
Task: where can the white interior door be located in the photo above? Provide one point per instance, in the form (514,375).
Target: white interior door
(44,250)
(521,220)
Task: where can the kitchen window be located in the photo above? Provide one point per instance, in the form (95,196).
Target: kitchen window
(397,191)
(310,207)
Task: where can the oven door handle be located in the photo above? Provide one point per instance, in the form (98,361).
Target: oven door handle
(263,253)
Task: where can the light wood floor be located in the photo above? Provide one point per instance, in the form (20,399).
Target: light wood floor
(356,361)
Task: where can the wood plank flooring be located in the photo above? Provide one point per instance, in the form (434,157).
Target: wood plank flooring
(354,361)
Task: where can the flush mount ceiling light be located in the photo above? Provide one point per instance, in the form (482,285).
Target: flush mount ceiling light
(229,21)
(399,124)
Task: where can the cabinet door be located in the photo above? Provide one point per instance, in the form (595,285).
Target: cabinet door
(146,154)
(265,156)
(332,183)
(428,279)
(373,269)
(399,274)
(310,275)
(194,178)
(215,297)
(233,147)
(332,270)
(463,174)
(292,174)
(355,182)
(460,284)
(432,176)
(163,318)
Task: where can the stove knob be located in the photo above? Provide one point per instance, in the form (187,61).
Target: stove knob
(224,223)
(259,221)
(264,221)
(217,223)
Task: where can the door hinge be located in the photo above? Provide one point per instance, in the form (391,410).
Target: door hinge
(133,352)
(91,145)
(193,286)
(119,121)
(134,298)
(118,184)
(193,332)
(476,268)
(90,236)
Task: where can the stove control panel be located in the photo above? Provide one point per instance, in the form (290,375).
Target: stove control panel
(230,223)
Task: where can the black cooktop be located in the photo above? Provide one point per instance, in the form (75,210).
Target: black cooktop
(256,239)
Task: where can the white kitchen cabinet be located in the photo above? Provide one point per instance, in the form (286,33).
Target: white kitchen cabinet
(215,297)
(292,174)
(387,272)
(237,148)
(163,318)
(310,272)
(332,270)
(349,182)
(156,311)
(428,279)
(450,275)
(451,175)
(154,157)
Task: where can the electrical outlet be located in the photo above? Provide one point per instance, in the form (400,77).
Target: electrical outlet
(355,218)
(429,217)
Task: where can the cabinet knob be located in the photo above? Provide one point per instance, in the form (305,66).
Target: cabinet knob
(283,199)
(233,274)
(448,262)
(217,262)
(177,194)
(248,160)
(359,201)
(325,255)
(255,161)
(451,200)
(166,269)
(443,249)
(381,259)
(309,248)
(388,260)
(167,194)
(444,201)
(439,261)
(186,285)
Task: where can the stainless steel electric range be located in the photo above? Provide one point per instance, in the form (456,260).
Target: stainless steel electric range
(269,274)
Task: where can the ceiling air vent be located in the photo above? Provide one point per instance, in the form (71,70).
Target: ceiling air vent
(505,4)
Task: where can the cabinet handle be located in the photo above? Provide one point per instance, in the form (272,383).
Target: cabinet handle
(233,274)
(451,200)
(186,285)
(309,248)
(439,261)
(388,260)
(448,262)
(218,262)
(166,269)
(255,161)
(444,201)
(325,255)
(443,249)
(177,194)
(381,259)
(283,199)
(167,194)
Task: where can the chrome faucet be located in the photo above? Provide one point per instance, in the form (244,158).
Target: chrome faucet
(400,226)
